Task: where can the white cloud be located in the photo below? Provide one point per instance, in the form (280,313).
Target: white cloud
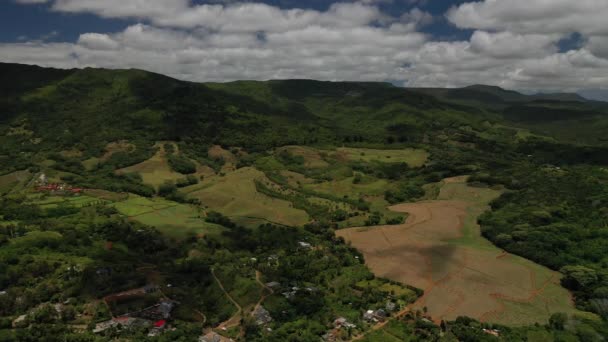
(533,16)
(348,41)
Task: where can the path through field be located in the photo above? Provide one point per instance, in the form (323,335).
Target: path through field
(439,249)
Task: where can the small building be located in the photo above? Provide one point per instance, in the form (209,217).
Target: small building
(493,332)
(261,315)
(341,322)
(273,284)
(390,306)
(306,245)
(369,315)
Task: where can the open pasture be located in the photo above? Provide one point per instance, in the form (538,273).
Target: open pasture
(439,249)
(235,196)
(156,170)
(171,218)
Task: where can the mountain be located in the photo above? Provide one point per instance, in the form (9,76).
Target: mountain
(240,205)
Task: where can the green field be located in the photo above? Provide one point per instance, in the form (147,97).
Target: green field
(235,196)
(154,171)
(171,218)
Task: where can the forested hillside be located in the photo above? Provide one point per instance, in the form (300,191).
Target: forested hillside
(224,198)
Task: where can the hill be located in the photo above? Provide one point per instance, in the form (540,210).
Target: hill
(124,191)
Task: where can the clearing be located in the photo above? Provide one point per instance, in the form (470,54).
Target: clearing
(439,249)
(235,196)
(171,218)
(156,170)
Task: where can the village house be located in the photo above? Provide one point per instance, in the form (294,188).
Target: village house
(305,245)
(273,284)
(375,316)
(261,315)
(342,322)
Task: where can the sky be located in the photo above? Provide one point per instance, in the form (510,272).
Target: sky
(526,45)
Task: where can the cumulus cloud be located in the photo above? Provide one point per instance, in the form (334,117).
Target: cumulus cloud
(348,41)
(533,16)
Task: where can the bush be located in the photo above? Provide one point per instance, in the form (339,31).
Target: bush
(181,164)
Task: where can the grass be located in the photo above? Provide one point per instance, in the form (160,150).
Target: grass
(413,157)
(156,170)
(235,196)
(171,218)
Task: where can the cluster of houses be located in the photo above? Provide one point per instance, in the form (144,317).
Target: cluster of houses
(59,189)
(153,317)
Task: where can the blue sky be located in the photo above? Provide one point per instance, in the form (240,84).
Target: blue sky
(528,45)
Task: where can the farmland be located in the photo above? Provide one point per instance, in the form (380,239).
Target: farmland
(438,249)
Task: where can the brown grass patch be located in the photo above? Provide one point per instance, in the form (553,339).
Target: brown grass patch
(459,277)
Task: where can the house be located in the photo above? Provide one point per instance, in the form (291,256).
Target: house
(261,315)
(493,332)
(273,284)
(342,322)
(375,316)
(158,328)
(390,306)
(369,315)
(165,308)
(306,245)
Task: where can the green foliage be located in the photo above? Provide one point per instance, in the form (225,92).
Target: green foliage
(181,164)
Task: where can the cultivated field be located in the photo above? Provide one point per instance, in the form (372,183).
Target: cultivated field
(439,249)
(235,196)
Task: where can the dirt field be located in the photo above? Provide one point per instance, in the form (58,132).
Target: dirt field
(439,249)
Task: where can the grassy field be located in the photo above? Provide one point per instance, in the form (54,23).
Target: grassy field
(413,157)
(235,196)
(156,170)
(439,249)
(171,218)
